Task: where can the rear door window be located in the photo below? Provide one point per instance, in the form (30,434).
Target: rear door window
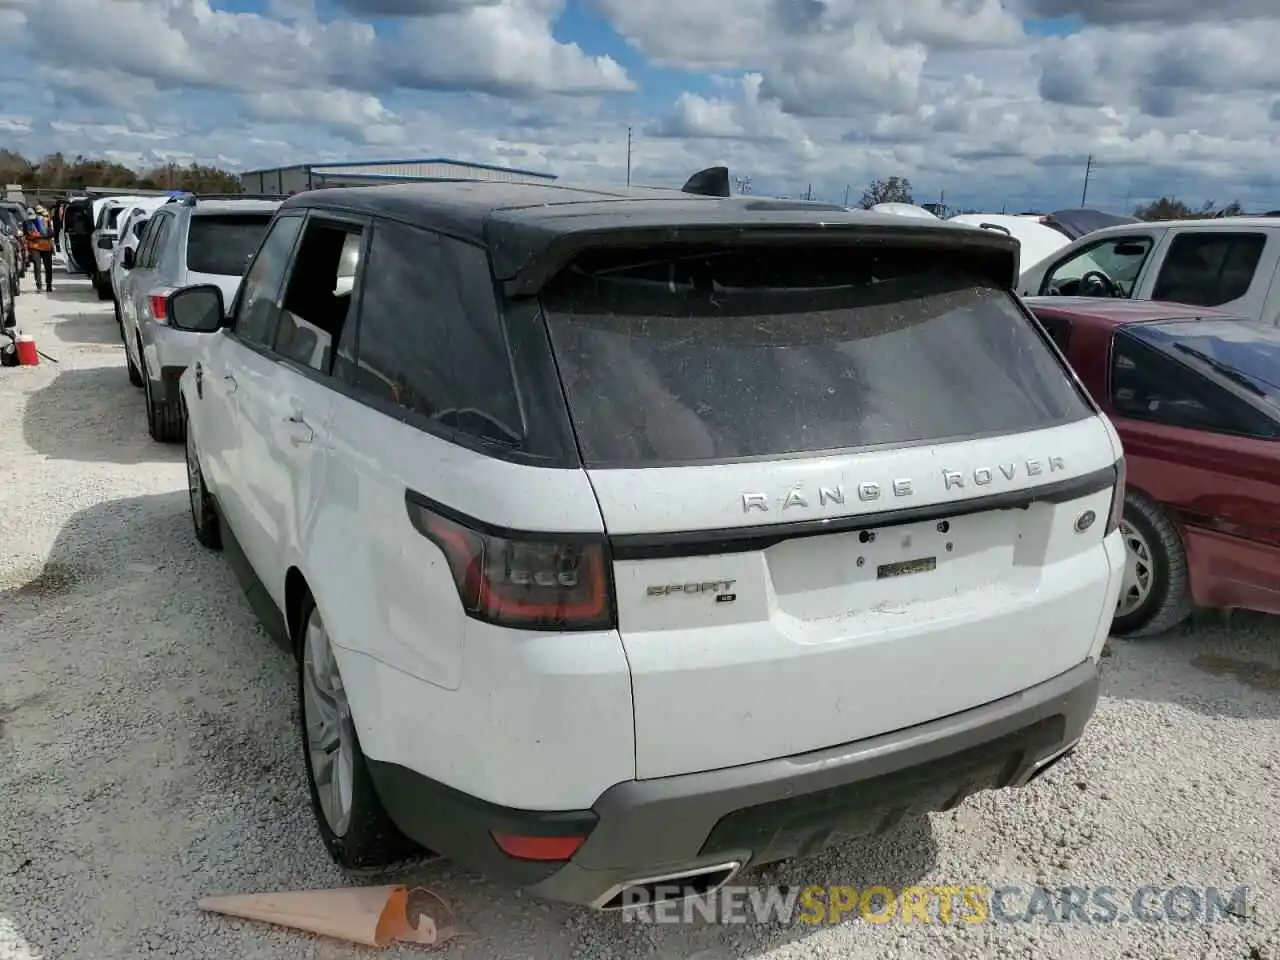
(431,340)
(1208,269)
(222,244)
(745,353)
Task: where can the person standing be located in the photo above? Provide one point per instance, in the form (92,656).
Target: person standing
(39,230)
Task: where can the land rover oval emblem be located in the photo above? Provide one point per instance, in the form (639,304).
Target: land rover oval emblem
(1085,521)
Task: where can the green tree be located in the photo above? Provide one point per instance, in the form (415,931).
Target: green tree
(890,190)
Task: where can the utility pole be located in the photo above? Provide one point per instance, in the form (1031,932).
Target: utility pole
(1088,168)
(628,156)
(846,195)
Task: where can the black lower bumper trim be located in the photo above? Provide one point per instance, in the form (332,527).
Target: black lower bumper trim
(758,812)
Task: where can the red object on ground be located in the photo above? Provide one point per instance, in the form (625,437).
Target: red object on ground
(27,353)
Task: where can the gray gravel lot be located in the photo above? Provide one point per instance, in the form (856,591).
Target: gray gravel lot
(148,755)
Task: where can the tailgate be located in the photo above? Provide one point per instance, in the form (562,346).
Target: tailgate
(846,491)
(756,642)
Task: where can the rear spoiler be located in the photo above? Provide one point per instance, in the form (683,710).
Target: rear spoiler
(525,259)
(191,199)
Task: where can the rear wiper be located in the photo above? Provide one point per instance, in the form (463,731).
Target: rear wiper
(1232,374)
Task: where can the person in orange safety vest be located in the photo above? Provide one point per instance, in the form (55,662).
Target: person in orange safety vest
(39,232)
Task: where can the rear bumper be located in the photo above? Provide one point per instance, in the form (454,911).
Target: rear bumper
(755,813)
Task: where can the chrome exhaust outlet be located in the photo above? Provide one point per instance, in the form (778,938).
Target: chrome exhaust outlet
(1042,765)
(682,885)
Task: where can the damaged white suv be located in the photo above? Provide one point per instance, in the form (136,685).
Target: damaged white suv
(630,538)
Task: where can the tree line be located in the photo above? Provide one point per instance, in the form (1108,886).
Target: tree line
(55,172)
(898,190)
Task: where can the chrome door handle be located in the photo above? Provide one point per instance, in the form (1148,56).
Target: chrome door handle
(230,383)
(297,430)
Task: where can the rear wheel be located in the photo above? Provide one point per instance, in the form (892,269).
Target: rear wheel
(1156,592)
(203,515)
(164,420)
(102,285)
(135,377)
(119,320)
(353,824)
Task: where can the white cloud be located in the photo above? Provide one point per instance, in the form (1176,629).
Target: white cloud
(1167,96)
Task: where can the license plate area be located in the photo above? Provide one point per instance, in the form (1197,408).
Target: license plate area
(842,573)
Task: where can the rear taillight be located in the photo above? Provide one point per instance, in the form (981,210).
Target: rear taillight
(159,303)
(528,580)
(1117,499)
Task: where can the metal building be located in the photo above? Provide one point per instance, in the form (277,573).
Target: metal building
(310,176)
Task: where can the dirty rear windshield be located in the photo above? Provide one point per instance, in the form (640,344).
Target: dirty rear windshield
(222,243)
(736,353)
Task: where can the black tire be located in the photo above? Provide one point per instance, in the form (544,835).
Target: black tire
(135,376)
(368,840)
(115,304)
(165,422)
(1168,599)
(103,287)
(204,516)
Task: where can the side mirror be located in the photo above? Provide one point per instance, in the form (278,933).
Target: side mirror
(127,258)
(106,243)
(197,309)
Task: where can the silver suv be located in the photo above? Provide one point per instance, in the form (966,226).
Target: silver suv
(186,241)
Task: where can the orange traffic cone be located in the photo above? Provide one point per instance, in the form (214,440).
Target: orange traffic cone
(373,916)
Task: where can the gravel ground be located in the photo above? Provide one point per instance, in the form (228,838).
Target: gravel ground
(148,757)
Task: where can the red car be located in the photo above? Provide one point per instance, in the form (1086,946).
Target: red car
(1195,396)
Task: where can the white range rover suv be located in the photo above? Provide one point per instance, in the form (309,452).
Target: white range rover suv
(626,539)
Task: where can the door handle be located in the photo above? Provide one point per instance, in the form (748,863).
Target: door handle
(230,383)
(297,430)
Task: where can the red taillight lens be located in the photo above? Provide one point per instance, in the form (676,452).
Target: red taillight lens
(537,848)
(1117,498)
(534,581)
(159,307)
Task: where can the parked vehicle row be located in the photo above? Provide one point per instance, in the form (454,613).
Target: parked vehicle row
(184,241)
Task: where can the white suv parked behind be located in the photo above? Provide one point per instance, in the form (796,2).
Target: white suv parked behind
(631,538)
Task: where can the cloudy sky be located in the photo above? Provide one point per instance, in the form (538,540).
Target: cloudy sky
(992,101)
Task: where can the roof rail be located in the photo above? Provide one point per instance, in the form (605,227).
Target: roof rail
(191,199)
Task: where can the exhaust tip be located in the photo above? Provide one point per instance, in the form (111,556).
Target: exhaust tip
(684,885)
(1048,763)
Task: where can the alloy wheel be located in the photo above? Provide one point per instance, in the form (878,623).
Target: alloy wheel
(1139,567)
(331,736)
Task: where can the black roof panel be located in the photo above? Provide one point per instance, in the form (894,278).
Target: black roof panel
(518,222)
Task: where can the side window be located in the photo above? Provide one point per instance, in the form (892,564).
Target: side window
(1109,268)
(1147,385)
(159,237)
(1059,330)
(317,301)
(1208,269)
(258,301)
(431,339)
(146,240)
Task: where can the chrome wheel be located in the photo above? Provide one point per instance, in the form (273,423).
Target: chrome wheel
(1139,568)
(331,736)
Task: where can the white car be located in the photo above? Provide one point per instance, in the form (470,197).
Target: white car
(628,538)
(1035,240)
(1228,263)
(129,235)
(107,216)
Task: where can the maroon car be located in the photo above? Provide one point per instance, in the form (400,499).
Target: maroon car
(1195,397)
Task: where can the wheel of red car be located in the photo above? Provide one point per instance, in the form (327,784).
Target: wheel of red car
(1155,595)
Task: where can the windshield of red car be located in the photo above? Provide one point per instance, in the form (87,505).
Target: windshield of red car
(1243,347)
